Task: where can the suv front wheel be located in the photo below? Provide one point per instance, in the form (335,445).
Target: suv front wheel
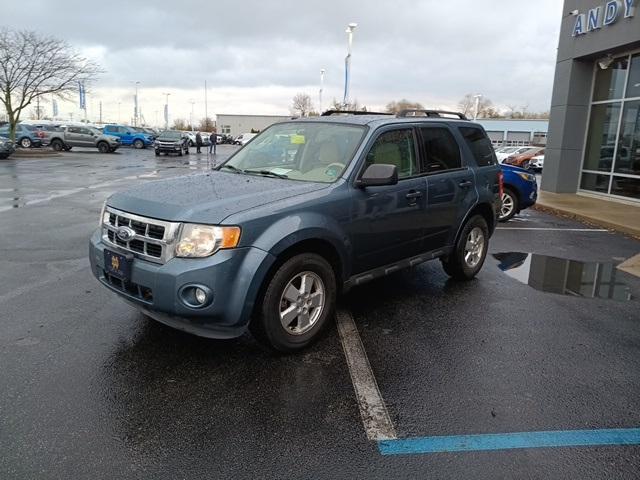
(470,250)
(297,302)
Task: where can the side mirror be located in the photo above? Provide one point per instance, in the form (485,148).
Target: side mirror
(377,175)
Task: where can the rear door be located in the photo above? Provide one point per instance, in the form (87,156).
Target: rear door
(451,184)
(86,137)
(388,221)
(72,136)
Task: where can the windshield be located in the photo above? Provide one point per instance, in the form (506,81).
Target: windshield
(95,131)
(308,151)
(170,135)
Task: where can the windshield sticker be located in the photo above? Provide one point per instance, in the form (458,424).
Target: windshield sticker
(297,139)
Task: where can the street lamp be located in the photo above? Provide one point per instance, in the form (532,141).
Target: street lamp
(477,107)
(135,105)
(191,116)
(166,111)
(321,88)
(347,62)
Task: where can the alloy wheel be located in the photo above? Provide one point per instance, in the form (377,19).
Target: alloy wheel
(474,247)
(507,205)
(302,303)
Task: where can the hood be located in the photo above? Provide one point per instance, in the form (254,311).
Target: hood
(207,198)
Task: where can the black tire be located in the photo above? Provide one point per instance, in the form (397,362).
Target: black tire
(510,200)
(138,144)
(57,145)
(103,147)
(157,153)
(266,325)
(4,156)
(455,265)
(25,142)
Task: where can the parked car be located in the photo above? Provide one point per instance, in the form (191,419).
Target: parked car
(537,163)
(71,136)
(44,131)
(266,243)
(171,141)
(523,159)
(244,138)
(520,191)
(25,135)
(6,148)
(505,152)
(128,136)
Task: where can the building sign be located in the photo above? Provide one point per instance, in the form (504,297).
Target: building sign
(603,16)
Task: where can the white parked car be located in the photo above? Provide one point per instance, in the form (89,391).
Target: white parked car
(505,152)
(537,162)
(243,138)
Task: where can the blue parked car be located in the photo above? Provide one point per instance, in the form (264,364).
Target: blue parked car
(128,136)
(520,191)
(26,136)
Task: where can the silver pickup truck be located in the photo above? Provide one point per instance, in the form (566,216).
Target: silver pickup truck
(73,136)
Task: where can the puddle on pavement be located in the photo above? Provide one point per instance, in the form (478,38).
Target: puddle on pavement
(565,277)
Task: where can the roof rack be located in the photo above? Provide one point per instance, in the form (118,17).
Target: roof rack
(412,112)
(328,113)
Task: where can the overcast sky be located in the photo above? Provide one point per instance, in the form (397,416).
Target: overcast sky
(255,55)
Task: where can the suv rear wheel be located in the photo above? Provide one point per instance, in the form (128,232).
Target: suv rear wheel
(470,250)
(509,205)
(298,300)
(57,145)
(138,144)
(25,142)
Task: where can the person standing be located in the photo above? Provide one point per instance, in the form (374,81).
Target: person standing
(198,142)
(213,141)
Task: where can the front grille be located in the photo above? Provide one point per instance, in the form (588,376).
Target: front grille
(133,289)
(153,239)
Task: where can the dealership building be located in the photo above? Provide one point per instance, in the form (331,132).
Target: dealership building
(593,145)
(233,124)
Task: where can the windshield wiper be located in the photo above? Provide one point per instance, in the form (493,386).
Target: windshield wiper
(231,167)
(267,172)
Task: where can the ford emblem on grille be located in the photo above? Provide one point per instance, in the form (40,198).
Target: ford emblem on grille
(125,234)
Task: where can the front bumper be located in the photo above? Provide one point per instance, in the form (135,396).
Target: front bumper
(234,277)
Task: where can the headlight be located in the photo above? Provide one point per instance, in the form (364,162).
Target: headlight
(104,215)
(205,240)
(527,176)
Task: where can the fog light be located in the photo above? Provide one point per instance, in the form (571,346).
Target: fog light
(201,296)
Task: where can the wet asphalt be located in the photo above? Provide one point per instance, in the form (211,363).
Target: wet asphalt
(89,388)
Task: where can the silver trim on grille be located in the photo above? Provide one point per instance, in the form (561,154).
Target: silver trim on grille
(167,243)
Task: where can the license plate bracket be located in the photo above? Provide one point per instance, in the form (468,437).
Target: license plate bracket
(118,265)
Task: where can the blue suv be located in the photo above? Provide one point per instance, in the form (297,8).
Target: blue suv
(128,136)
(308,209)
(520,191)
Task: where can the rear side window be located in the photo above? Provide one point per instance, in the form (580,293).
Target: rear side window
(395,148)
(440,149)
(480,146)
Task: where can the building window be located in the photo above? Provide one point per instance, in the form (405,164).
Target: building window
(611,163)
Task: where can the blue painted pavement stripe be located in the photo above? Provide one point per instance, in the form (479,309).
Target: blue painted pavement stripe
(502,441)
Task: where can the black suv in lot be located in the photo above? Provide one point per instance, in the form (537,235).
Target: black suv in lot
(307,209)
(171,141)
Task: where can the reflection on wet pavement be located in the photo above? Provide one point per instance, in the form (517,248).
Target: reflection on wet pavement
(565,277)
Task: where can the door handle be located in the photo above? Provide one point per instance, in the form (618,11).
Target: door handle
(413,195)
(465,183)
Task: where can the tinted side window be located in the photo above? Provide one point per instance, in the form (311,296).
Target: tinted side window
(73,130)
(440,149)
(480,146)
(395,148)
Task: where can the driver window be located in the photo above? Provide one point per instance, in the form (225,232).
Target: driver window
(395,148)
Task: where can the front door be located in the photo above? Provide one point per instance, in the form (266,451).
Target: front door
(388,221)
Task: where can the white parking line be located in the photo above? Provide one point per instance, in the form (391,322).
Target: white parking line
(373,411)
(555,229)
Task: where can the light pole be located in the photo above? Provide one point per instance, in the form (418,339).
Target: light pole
(477,107)
(192,102)
(135,105)
(347,63)
(320,92)
(166,111)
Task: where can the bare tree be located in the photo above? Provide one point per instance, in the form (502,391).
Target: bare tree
(354,106)
(467,105)
(33,65)
(301,105)
(181,124)
(404,104)
(207,125)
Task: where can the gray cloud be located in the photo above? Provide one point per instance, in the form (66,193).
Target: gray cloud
(430,51)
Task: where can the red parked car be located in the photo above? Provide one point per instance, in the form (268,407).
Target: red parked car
(524,159)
